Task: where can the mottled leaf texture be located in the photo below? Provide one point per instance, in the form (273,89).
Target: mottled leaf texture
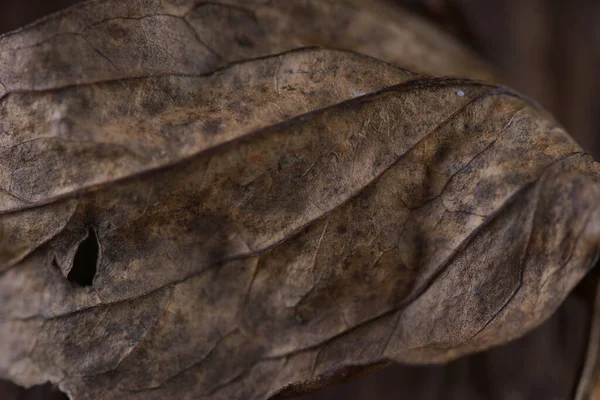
(210,200)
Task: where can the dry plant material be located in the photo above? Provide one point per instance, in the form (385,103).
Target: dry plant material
(194,203)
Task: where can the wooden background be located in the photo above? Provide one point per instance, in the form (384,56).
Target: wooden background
(550,51)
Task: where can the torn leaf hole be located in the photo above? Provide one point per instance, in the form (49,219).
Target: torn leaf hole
(86,260)
(9,391)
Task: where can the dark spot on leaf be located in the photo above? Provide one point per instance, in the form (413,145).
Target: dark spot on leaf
(286,161)
(442,151)
(244,41)
(153,105)
(212,127)
(85,262)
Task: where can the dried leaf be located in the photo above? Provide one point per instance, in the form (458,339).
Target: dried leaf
(193,205)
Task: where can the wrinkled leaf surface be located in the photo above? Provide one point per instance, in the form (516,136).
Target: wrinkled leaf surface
(260,217)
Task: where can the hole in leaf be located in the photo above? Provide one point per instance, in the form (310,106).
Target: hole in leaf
(85,261)
(10,391)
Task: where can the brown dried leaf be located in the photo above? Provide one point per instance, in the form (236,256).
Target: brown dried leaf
(262,218)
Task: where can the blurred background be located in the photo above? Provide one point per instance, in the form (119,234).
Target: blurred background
(548,50)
